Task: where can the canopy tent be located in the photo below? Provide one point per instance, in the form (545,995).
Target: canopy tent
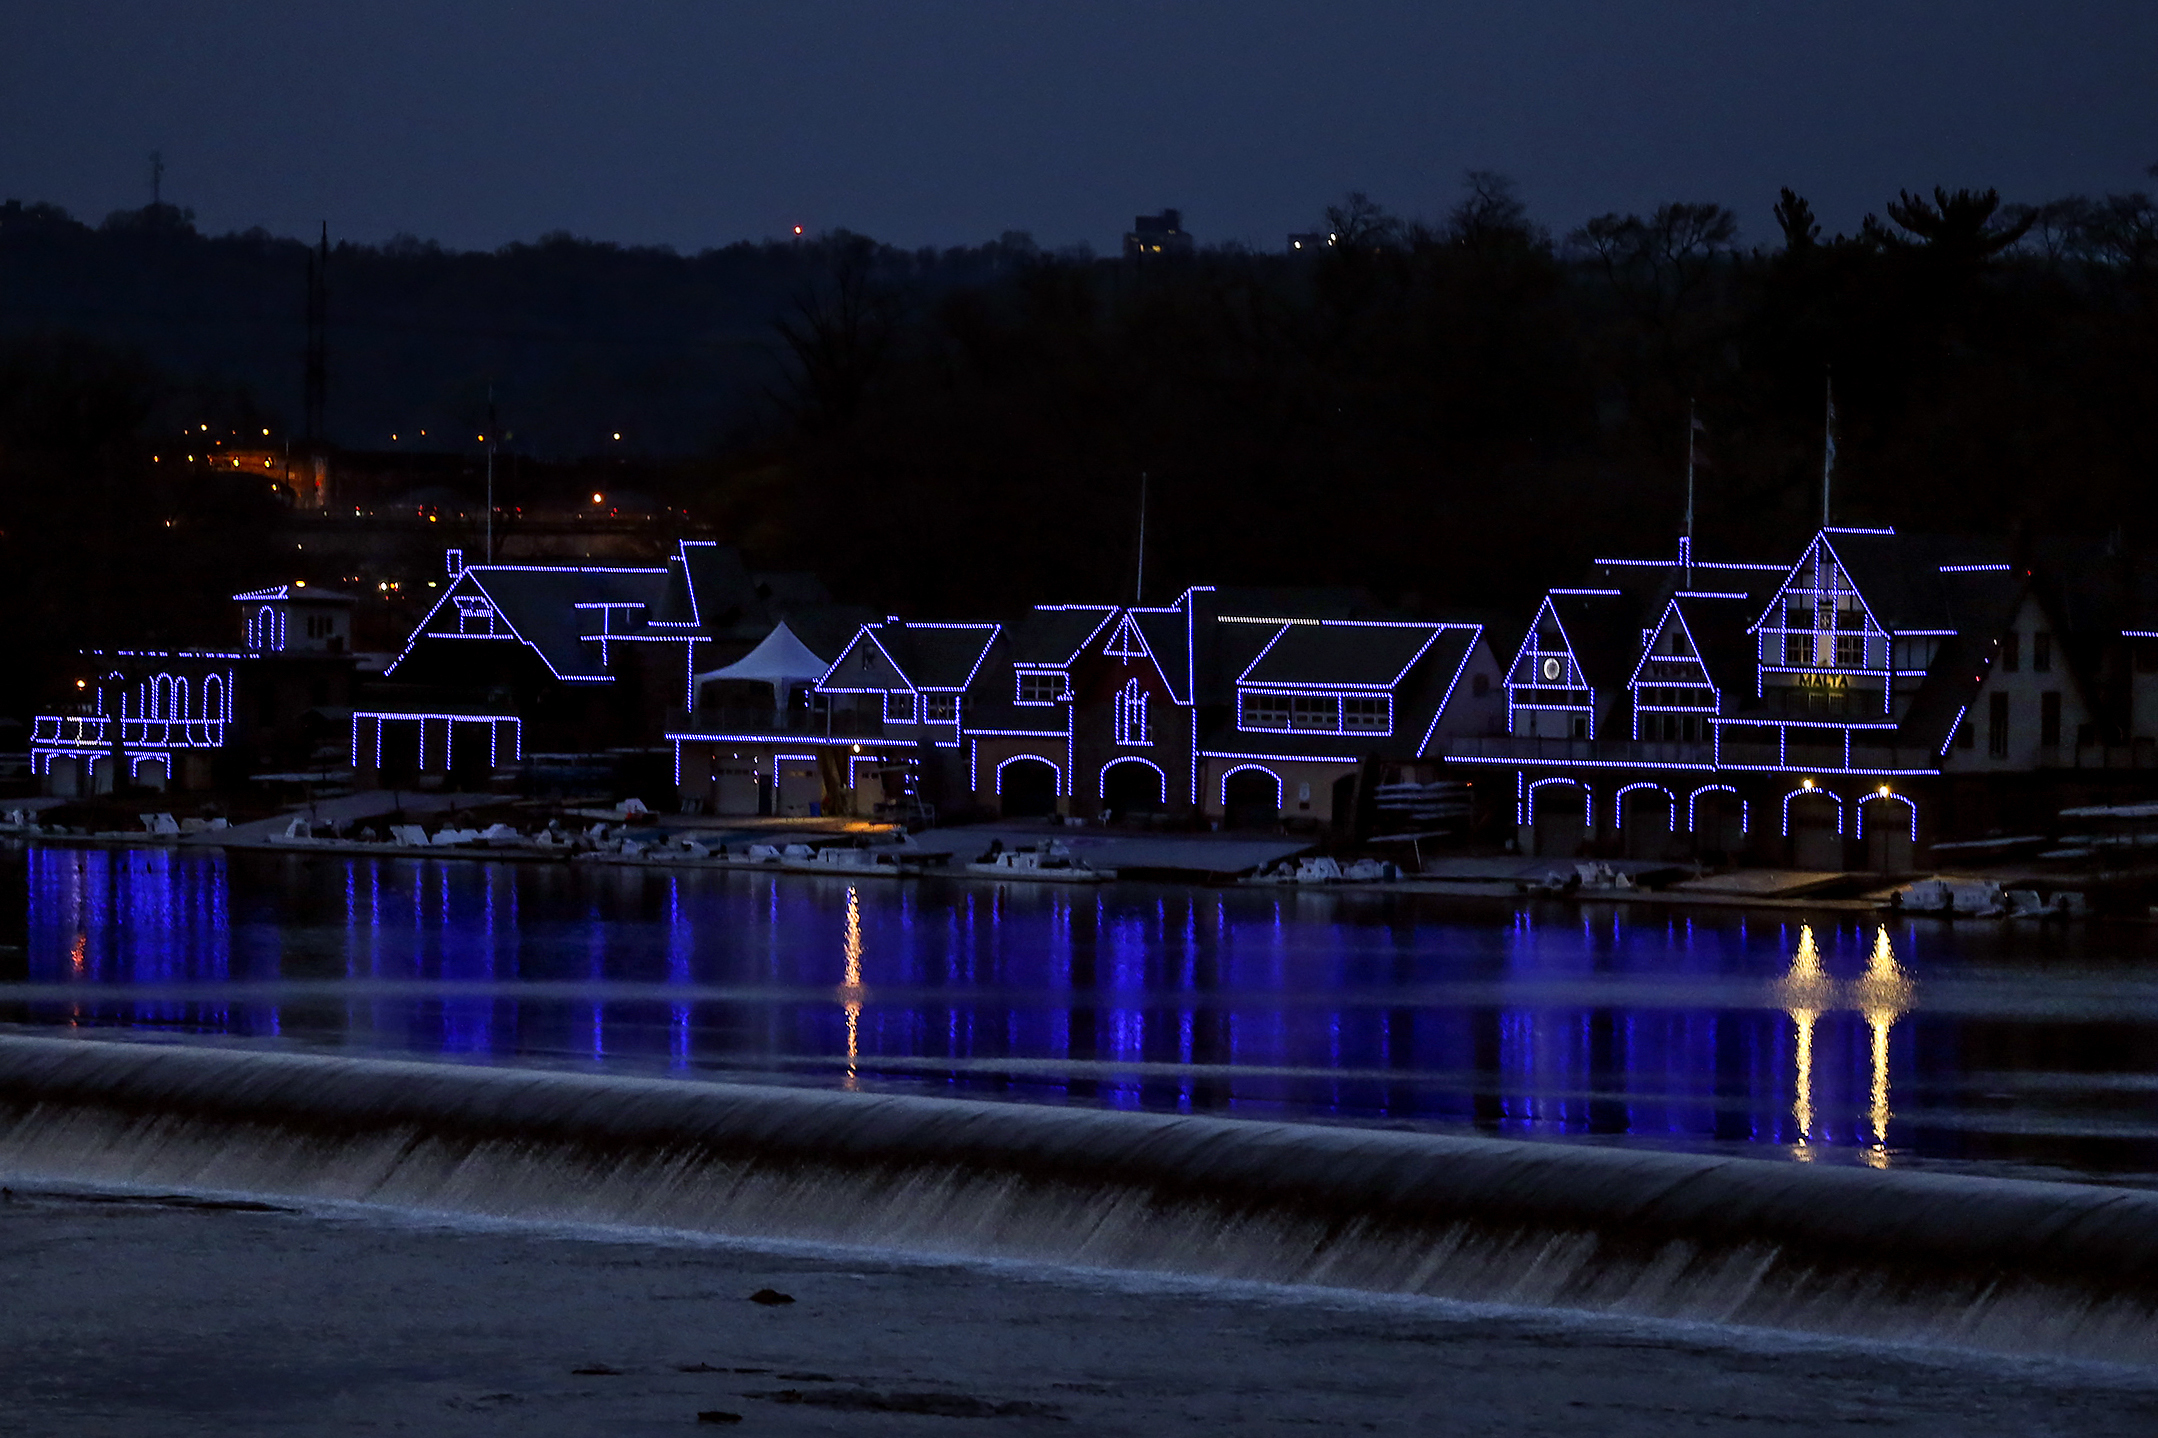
(781,661)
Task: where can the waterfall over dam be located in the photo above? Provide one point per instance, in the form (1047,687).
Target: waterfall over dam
(2009,1265)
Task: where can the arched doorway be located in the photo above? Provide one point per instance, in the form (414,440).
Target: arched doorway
(1719,825)
(1886,821)
(1647,822)
(1250,798)
(1026,788)
(1558,819)
(1133,786)
(1815,825)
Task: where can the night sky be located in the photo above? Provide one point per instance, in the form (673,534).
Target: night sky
(694,124)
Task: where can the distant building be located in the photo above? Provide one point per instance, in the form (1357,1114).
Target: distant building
(1161,234)
(174,718)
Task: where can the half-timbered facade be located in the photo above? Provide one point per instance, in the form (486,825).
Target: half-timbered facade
(1817,715)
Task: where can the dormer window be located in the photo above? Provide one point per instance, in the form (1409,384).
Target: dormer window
(475,615)
(1042,686)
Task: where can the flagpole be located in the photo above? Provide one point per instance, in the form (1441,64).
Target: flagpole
(1828,447)
(1685,548)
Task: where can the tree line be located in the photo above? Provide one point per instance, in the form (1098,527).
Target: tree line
(1451,414)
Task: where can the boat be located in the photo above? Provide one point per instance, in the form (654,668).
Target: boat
(1319,869)
(1048,863)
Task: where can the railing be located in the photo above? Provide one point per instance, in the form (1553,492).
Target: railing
(842,724)
(1532,749)
(93,731)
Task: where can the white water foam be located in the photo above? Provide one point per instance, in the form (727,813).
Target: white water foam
(2016,1267)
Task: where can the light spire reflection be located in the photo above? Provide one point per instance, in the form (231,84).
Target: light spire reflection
(850,986)
(1883,995)
(1805,992)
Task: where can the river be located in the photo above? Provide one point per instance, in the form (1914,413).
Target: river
(1830,1037)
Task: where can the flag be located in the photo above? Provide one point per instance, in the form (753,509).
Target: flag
(1828,454)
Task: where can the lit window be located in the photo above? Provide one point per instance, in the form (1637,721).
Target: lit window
(1041,686)
(940,708)
(1369,715)
(1315,711)
(1131,716)
(898,707)
(1264,711)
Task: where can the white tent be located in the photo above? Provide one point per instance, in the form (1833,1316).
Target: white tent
(782,661)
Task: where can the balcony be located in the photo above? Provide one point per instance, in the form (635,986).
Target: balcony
(1527,749)
(93,732)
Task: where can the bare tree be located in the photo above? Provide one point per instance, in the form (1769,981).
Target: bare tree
(840,335)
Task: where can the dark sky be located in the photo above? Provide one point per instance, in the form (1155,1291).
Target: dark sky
(696,122)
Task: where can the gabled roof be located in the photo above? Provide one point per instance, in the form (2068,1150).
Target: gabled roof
(542,606)
(539,604)
(1604,632)
(1721,634)
(1052,636)
(1347,654)
(295,593)
(1917,583)
(1168,640)
(935,657)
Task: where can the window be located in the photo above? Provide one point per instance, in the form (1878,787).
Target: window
(1798,648)
(940,708)
(2041,652)
(2011,652)
(1997,726)
(1850,651)
(1041,686)
(1264,711)
(1367,715)
(1315,711)
(2049,712)
(899,706)
(1131,719)
(1479,686)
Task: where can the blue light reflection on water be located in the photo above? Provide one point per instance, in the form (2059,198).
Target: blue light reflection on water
(1642,1024)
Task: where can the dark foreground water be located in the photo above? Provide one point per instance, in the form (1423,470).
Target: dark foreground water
(1834,1036)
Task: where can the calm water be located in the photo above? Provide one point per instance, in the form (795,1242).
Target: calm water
(1834,1037)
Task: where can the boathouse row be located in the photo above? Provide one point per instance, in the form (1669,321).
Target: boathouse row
(1241,707)
(191,718)
(1882,695)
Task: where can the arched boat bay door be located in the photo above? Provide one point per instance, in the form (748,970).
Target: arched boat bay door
(1251,799)
(1816,830)
(1027,788)
(1558,820)
(1648,823)
(1132,786)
